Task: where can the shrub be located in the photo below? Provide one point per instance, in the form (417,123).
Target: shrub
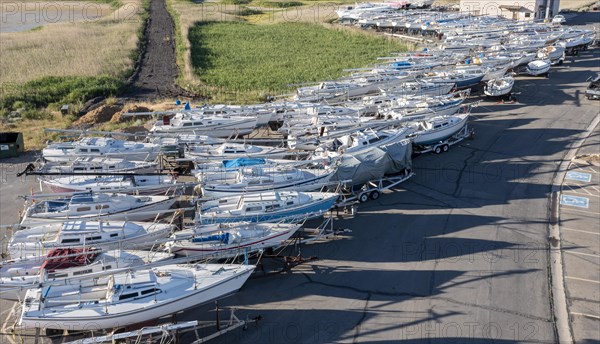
(70,89)
(236,2)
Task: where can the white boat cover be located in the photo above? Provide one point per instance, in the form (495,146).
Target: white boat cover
(375,163)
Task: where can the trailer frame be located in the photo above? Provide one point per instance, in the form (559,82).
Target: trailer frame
(444,145)
(371,189)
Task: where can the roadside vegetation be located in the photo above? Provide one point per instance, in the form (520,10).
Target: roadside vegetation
(67,63)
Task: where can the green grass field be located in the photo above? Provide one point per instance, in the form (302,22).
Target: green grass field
(250,60)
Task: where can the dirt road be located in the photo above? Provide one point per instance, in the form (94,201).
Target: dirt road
(157,69)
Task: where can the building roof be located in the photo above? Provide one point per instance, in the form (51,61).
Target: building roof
(515,8)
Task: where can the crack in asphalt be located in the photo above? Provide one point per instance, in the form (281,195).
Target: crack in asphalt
(461,172)
(372,293)
(362,318)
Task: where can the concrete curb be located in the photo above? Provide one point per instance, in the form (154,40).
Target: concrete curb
(559,298)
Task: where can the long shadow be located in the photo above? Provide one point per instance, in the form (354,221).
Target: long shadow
(313,316)
(409,238)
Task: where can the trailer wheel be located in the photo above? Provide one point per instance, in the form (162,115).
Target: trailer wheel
(437,150)
(363,197)
(374,195)
(445,148)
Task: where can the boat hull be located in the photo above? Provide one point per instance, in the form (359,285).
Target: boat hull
(537,69)
(143,241)
(300,185)
(143,213)
(127,189)
(226,251)
(101,320)
(314,209)
(434,137)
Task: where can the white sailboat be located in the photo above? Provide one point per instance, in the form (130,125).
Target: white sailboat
(18,275)
(138,184)
(130,298)
(437,129)
(538,67)
(225,240)
(38,240)
(499,87)
(115,207)
(222,126)
(106,147)
(265,178)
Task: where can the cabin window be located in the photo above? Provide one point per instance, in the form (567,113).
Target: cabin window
(102,206)
(96,168)
(82,272)
(93,238)
(187,124)
(128,296)
(83,150)
(84,209)
(78,168)
(222,201)
(289,203)
(57,275)
(108,267)
(114,235)
(149,291)
(256,208)
(70,241)
(272,206)
(94,150)
(197,123)
(111,166)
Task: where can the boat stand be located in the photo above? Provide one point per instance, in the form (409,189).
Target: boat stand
(283,262)
(172,332)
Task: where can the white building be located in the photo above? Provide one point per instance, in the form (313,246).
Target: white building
(513,9)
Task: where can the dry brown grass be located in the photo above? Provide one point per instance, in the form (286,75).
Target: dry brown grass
(35,137)
(576,4)
(84,48)
(33,130)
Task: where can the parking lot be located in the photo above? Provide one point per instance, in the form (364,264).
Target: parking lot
(580,233)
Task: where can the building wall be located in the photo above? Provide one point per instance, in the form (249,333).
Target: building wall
(492,7)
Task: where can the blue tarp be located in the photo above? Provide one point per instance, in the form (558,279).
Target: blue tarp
(241,162)
(224,238)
